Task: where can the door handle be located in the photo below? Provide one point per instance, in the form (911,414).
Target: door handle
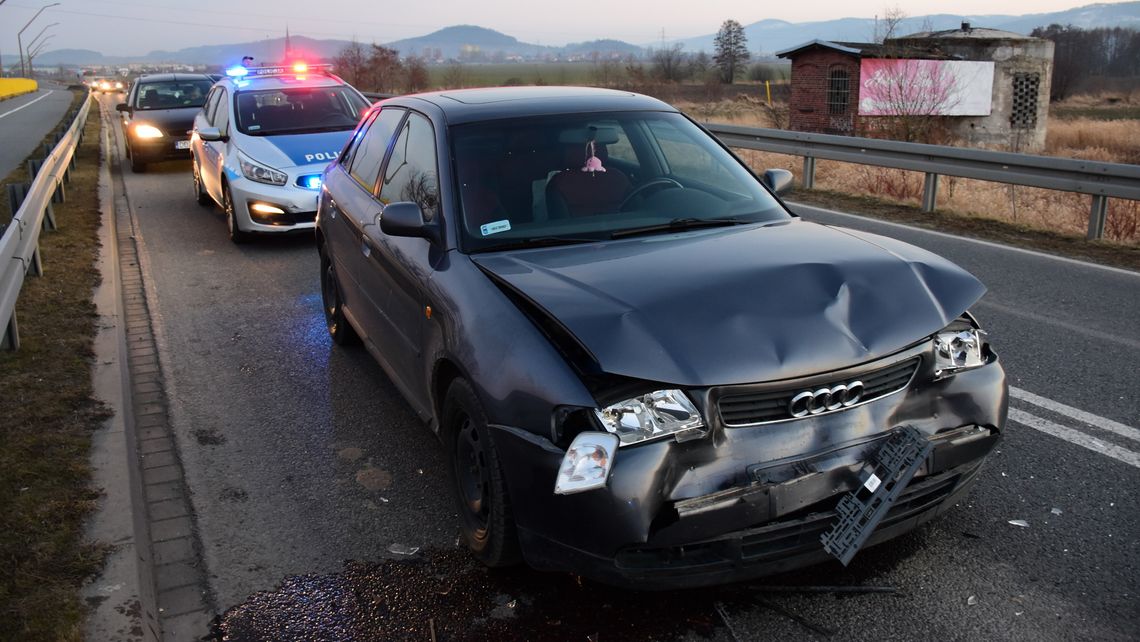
(365,248)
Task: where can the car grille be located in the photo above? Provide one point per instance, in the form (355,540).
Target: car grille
(765,406)
(178,132)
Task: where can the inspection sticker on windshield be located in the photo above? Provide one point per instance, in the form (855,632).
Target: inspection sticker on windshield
(496,227)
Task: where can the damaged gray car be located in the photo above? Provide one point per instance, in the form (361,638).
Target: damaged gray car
(644,369)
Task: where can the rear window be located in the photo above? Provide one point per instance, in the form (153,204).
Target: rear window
(298,110)
(173,94)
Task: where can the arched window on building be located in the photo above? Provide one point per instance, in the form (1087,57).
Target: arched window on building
(838,91)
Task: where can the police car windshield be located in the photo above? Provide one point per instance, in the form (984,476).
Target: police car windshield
(174,94)
(298,110)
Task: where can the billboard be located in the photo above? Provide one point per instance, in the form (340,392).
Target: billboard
(896,87)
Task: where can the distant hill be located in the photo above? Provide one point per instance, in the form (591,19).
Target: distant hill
(770,36)
(473,43)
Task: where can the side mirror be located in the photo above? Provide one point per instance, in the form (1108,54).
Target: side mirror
(778,180)
(210,133)
(405,219)
(123,107)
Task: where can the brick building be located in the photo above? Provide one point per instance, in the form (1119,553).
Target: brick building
(826,88)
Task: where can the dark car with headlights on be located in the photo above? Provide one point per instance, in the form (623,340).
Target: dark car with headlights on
(159,114)
(643,368)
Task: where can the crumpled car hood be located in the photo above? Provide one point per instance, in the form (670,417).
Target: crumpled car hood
(742,304)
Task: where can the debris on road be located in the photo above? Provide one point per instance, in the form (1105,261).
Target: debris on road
(1056,511)
(972,600)
(402,549)
(1019,522)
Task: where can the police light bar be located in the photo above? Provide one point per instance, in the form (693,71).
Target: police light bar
(237,71)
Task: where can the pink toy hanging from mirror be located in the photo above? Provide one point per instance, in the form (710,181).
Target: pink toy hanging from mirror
(593,163)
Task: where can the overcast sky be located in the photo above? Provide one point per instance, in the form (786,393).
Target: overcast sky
(135,27)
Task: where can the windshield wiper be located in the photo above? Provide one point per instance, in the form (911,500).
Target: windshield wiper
(677,224)
(542,241)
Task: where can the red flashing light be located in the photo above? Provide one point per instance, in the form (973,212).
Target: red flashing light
(300,67)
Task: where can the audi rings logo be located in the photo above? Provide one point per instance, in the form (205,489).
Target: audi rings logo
(814,402)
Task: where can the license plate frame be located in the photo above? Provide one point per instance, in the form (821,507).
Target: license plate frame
(182,144)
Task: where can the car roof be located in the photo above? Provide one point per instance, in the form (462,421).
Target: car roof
(171,77)
(493,103)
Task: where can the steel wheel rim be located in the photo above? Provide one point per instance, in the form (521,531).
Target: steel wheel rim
(471,476)
(229,205)
(331,295)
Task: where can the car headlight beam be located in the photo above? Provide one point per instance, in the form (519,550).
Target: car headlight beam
(257,172)
(147,131)
(662,413)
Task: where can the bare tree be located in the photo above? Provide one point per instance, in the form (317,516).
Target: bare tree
(730,50)
(416,76)
(456,76)
(888,26)
(385,70)
(604,72)
(907,99)
(669,63)
(352,64)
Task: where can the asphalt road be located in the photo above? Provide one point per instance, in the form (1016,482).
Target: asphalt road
(306,467)
(25,120)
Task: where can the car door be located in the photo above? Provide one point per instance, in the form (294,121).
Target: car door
(198,147)
(211,162)
(354,206)
(398,268)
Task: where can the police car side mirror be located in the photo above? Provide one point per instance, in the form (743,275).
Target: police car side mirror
(211,133)
(405,219)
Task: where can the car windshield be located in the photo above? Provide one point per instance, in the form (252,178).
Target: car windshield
(173,94)
(298,110)
(582,177)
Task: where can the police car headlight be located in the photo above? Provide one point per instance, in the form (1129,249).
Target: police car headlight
(257,172)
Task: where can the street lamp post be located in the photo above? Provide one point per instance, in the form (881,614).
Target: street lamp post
(19,36)
(33,54)
(32,44)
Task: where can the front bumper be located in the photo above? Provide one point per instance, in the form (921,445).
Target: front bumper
(160,149)
(298,204)
(746,502)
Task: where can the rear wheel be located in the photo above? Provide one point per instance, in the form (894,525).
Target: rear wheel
(199,193)
(237,235)
(339,329)
(485,515)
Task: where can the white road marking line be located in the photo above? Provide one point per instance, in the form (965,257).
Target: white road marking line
(27,104)
(1075,437)
(1071,327)
(1096,421)
(968,239)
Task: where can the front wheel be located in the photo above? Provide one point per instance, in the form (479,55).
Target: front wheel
(200,194)
(480,490)
(137,166)
(237,235)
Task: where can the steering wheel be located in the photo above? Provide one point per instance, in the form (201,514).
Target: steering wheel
(657,183)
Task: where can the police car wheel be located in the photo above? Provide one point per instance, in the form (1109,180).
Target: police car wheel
(237,235)
(200,194)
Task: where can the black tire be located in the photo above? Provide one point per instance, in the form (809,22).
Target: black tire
(340,329)
(480,490)
(137,166)
(200,194)
(237,235)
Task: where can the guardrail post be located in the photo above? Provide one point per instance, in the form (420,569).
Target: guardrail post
(11,338)
(809,172)
(1097,216)
(930,192)
(36,267)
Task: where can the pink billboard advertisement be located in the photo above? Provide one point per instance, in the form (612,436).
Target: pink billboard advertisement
(894,87)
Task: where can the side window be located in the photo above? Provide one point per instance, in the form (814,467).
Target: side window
(353,144)
(411,171)
(212,104)
(222,112)
(369,152)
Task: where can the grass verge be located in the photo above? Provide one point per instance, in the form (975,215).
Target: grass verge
(47,416)
(1125,256)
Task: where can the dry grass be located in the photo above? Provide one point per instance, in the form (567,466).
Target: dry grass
(47,415)
(1114,141)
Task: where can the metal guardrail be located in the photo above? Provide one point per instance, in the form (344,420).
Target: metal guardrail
(20,243)
(1100,180)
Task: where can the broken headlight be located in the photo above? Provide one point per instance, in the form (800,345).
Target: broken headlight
(960,346)
(662,413)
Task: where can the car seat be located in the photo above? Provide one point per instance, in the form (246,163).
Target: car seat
(574,191)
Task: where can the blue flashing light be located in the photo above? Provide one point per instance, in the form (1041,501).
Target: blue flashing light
(237,71)
(310,182)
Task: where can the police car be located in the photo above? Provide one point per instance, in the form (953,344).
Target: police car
(263,138)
